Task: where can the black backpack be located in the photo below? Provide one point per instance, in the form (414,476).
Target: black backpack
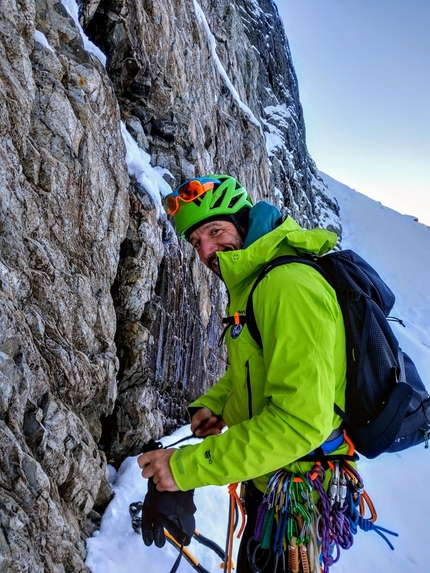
(387,406)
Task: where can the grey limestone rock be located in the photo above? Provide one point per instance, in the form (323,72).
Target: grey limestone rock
(109,325)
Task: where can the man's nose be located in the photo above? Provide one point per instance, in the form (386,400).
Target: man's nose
(206,250)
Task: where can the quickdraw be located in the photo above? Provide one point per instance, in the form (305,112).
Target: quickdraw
(284,521)
(307,537)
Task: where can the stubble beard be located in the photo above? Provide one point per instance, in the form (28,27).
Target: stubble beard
(213,262)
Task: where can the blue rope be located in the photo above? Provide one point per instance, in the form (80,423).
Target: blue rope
(363,523)
(367,525)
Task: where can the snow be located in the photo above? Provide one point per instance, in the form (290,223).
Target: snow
(41,38)
(212,42)
(72,8)
(399,248)
(276,116)
(258,12)
(395,244)
(116,548)
(280,114)
(139,166)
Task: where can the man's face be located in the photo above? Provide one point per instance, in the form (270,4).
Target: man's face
(212,237)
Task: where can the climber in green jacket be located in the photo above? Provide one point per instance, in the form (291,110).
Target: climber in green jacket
(277,401)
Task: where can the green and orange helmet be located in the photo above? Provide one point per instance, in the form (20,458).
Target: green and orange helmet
(206,198)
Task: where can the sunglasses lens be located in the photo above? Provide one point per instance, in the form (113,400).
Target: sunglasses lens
(172,203)
(188,192)
(191,190)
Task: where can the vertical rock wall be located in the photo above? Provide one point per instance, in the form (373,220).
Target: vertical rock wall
(108,325)
(64,213)
(204,87)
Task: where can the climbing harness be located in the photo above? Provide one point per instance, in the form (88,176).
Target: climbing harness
(298,535)
(293,532)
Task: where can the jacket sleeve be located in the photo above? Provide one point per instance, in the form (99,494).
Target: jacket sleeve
(215,397)
(298,317)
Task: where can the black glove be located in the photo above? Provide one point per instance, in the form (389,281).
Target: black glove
(173,510)
(176,510)
(152,527)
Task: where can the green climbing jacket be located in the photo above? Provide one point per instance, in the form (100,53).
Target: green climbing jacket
(277,402)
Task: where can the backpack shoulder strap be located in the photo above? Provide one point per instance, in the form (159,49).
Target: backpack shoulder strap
(283,260)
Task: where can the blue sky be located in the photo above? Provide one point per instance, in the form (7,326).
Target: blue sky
(363,68)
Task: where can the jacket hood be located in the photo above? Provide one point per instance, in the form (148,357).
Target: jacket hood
(268,238)
(262,219)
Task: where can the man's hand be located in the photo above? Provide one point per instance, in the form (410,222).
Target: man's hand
(156,465)
(204,423)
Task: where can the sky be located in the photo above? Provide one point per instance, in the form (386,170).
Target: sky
(364,81)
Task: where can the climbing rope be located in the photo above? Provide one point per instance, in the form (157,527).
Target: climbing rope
(310,536)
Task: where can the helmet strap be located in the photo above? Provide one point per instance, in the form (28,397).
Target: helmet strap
(239,229)
(241,220)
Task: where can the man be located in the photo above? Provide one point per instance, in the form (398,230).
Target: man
(277,400)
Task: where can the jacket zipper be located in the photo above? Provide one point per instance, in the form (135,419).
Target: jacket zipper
(248,386)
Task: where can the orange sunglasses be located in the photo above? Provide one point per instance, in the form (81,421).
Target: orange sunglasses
(187,193)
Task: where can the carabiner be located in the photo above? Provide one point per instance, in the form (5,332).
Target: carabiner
(333,493)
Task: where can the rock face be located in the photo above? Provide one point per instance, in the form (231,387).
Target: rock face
(108,325)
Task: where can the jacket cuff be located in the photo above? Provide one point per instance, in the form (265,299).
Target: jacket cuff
(184,470)
(205,402)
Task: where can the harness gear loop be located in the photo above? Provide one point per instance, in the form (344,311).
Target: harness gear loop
(232,490)
(348,440)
